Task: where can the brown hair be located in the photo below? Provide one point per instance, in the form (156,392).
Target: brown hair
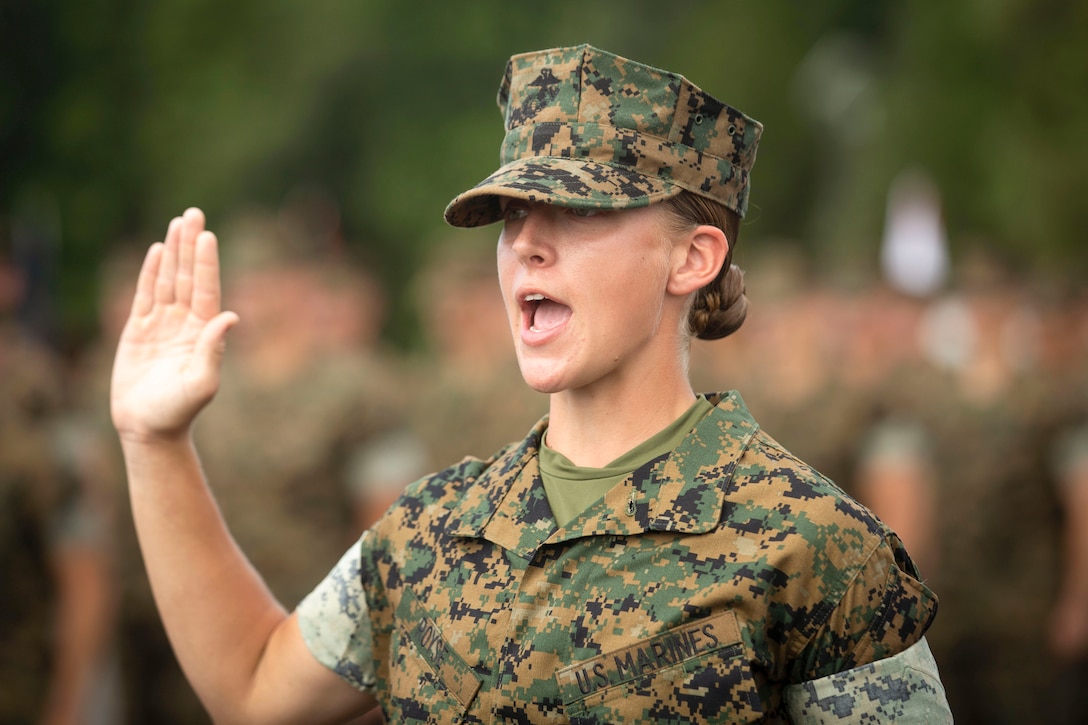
(719,308)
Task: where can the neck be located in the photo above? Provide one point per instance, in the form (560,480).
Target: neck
(594,427)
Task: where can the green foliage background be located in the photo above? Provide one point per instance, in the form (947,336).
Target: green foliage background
(117,114)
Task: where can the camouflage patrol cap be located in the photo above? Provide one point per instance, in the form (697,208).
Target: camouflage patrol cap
(589,129)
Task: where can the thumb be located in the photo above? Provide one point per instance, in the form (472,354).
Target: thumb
(212,345)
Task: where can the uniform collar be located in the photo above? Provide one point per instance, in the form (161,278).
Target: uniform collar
(682,491)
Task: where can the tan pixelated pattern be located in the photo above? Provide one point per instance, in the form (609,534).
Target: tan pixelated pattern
(589,129)
(695,591)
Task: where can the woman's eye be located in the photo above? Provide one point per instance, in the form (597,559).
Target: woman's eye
(514,212)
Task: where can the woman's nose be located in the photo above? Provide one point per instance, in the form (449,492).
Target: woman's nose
(531,242)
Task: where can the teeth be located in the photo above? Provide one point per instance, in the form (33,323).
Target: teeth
(535,297)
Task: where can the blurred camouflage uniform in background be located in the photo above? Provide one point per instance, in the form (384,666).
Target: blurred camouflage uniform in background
(982,418)
(56,617)
(34,496)
(299,417)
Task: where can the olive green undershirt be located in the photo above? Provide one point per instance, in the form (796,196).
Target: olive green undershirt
(572,489)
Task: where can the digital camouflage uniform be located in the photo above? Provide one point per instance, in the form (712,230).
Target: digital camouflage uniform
(697,590)
(822,428)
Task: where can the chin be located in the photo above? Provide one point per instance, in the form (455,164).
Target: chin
(541,386)
(542,381)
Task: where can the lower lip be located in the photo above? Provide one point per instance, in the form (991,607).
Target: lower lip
(536,338)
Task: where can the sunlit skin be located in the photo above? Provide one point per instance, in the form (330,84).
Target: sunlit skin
(613,359)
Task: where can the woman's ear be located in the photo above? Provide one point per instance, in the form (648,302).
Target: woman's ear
(697,259)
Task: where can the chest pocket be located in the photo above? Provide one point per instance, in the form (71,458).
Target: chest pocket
(429,681)
(697,672)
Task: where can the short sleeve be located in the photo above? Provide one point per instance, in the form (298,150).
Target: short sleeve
(903,688)
(335,623)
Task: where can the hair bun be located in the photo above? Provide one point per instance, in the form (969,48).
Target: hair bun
(721,308)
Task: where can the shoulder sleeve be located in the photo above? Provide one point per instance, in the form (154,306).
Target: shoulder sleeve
(903,688)
(884,609)
(335,622)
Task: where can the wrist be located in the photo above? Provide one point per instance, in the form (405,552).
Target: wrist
(135,441)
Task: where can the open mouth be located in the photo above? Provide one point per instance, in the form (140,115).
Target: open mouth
(545,314)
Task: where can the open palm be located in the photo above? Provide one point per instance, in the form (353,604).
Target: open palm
(167,363)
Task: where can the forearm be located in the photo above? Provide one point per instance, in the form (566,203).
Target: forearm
(217,611)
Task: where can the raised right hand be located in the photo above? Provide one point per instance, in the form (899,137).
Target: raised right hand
(167,363)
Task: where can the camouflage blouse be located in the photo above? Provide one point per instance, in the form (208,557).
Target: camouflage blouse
(698,590)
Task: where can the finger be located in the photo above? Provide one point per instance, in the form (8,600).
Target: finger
(165,283)
(144,298)
(192,225)
(206,298)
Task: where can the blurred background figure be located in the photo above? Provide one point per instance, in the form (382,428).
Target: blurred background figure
(959,461)
(348,314)
(895,472)
(468,396)
(57,612)
(311,403)
(1067,634)
(796,361)
(1067,353)
(307,441)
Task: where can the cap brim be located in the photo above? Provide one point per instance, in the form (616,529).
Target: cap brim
(574,183)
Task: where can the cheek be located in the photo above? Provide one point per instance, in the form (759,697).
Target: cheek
(632,297)
(647,292)
(644,278)
(505,264)
(506,292)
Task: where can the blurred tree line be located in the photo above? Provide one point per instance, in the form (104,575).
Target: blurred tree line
(117,114)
